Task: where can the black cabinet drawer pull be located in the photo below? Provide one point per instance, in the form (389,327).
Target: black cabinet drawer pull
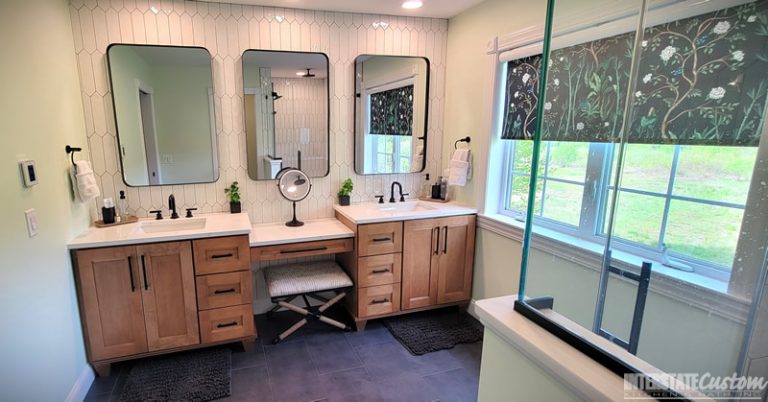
(304,250)
(221,291)
(380,271)
(379,301)
(144,271)
(437,242)
(227,324)
(130,273)
(220,256)
(381,239)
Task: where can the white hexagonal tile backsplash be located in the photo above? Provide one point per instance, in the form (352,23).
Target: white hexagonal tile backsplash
(227,31)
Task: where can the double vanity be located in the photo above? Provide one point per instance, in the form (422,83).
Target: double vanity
(159,286)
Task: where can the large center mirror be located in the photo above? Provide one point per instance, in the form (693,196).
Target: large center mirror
(391,101)
(286,112)
(163,102)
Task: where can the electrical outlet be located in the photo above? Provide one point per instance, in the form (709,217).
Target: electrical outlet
(32,225)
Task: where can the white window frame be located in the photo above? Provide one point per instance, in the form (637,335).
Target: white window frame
(396,151)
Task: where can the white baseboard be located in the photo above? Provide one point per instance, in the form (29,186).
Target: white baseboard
(82,385)
(472,309)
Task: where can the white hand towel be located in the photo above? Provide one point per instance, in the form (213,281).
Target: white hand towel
(459,168)
(85,181)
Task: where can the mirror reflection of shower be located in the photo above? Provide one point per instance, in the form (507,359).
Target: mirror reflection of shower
(286,112)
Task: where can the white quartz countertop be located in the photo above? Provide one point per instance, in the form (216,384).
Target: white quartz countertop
(372,212)
(313,230)
(215,225)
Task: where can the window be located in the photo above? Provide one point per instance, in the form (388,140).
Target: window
(393,153)
(679,204)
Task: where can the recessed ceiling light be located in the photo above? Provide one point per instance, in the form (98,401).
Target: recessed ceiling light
(412,4)
(300,73)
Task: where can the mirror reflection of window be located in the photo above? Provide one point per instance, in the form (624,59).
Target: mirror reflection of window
(286,112)
(163,100)
(391,112)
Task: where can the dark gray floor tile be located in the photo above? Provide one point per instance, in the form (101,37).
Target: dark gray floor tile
(290,361)
(411,388)
(387,360)
(253,358)
(251,384)
(468,356)
(353,385)
(435,362)
(374,334)
(454,386)
(334,355)
(290,388)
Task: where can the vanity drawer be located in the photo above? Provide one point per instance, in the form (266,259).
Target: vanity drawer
(380,238)
(226,323)
(224,290)
(377,300)
(377,270)
(221,254)
(306,249)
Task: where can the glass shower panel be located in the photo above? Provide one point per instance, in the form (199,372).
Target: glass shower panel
(689,153)
(581,116)
(647,224)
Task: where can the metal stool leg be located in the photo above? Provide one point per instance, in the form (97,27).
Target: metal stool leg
(309,313)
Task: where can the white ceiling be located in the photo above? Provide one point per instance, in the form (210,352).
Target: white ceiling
(286,64)
(431,8)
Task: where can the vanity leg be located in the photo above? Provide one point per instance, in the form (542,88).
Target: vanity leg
(248,345)
(360,325)
(102,369)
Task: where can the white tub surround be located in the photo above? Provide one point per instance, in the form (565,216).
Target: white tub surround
(371,212)
(585,378)
(313,230)
(149,230)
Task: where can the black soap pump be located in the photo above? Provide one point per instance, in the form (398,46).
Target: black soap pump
(436,189)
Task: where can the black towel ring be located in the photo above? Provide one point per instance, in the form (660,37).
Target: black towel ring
(466,139)
(71,151)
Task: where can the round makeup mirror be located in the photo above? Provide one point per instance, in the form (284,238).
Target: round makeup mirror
(294,186)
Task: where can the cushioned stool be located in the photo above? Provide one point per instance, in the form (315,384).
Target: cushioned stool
(287,282)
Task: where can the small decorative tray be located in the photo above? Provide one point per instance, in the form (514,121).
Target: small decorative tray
(128,219)
(430,199)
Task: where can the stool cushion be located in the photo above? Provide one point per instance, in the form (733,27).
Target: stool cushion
(308,277)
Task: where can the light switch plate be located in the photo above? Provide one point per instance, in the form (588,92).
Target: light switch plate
(32,226)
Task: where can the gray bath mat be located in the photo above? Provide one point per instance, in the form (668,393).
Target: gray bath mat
(200,375)
(430,331)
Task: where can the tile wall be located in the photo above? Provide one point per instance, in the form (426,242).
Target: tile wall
(226,31)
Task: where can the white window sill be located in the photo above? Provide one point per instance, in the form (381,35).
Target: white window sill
(706,293)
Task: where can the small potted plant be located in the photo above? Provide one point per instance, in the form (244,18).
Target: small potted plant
(233,192)
(346,188)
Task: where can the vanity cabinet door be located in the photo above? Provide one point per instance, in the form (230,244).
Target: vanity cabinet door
(110,302)
(457,249)
(169,294)
(420,259)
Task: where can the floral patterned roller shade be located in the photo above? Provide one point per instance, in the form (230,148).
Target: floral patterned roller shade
(701,81)
(392,112)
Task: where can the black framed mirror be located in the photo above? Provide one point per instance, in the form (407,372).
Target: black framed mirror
(164,114)
(391,114)
(287,117)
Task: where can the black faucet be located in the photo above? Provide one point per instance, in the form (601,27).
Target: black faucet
(172,207)
(392,192)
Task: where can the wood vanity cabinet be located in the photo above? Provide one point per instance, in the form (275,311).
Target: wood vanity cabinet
(142,300)
(405,266)
(438,256)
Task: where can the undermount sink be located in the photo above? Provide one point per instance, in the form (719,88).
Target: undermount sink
(172,225)
(405,207)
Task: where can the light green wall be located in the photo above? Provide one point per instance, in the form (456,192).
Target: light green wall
(126,67)
(183,122)
(508,375)
(40,112)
